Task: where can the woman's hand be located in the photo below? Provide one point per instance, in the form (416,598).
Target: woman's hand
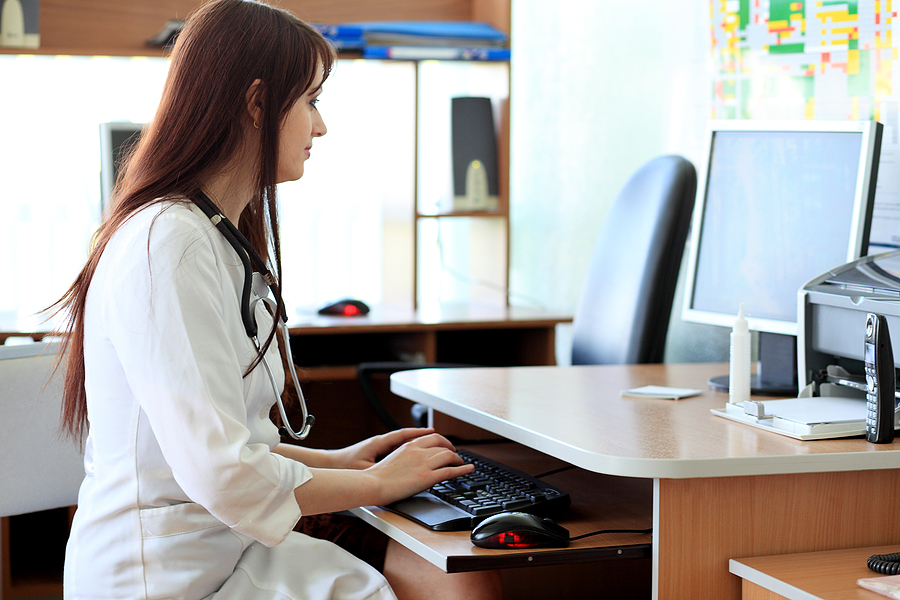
(416,465)
(419,459)
(366,453)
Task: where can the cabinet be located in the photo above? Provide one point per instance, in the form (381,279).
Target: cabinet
(329,348)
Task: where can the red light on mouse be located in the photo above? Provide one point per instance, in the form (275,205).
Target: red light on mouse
(351,310)
(514,539)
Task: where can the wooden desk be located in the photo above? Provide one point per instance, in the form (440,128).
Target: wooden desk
(721,489)
(828,575)
(328,349)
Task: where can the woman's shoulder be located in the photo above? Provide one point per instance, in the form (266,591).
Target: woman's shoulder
(176,212)
(162,227)
(166,218)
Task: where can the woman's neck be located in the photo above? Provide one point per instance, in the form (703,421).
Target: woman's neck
(231,189)
(227,198)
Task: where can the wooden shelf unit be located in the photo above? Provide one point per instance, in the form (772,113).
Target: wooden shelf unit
(120,27)
(501,212)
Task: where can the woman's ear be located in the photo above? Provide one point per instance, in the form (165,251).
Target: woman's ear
(254,101)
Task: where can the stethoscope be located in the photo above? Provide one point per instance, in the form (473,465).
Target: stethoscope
(261,283)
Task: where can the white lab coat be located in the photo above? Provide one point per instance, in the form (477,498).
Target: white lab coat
(183,498)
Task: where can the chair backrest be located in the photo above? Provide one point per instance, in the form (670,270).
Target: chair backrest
(40,468)
(623,314)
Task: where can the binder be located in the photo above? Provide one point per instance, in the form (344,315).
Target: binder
(419,40)
(436,53)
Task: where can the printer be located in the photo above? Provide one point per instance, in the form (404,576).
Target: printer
(832,310)
(831,334)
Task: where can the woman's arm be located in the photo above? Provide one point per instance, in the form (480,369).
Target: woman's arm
(311,457)
(361,455)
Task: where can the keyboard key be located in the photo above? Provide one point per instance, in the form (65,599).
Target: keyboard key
(511,505)
(486,510)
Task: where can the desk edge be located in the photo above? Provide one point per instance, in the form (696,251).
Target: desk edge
(767,582)
(656,468)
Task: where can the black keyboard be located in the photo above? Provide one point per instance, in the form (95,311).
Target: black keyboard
(460,504)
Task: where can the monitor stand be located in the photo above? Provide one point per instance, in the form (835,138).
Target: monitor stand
(776,371)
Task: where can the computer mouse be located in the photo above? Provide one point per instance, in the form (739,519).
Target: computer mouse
(345,308)
(511,530)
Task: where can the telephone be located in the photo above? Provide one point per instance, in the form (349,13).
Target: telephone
(880,381)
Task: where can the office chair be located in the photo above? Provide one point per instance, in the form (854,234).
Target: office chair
(623,313)
(40,468)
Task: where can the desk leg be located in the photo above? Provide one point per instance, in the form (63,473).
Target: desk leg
(701,523)
(654,551)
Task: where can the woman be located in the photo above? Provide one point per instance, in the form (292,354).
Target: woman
(189,493)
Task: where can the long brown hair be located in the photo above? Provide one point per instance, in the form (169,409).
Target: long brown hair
(224,47)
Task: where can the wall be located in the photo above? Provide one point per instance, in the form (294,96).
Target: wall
(598,88)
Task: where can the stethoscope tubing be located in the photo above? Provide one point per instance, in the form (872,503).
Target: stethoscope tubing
(246,253)
(308,419)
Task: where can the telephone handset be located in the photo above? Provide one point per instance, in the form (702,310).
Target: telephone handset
(880,390)
(880,381)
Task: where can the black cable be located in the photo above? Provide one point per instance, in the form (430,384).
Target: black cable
(554,471)
(578,537)
(886,564)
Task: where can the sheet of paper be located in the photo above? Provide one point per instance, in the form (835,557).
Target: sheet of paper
(886,586)
(658,391)
(817,410)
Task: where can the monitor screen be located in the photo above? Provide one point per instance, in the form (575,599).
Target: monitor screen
(782,202)
(115,137)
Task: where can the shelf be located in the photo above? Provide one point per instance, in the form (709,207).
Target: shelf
(471,214)
(336,373)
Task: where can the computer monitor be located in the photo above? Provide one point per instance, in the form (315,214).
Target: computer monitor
(780,203)
(115,138)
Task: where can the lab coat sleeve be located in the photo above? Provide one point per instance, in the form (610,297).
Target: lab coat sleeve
(183,360)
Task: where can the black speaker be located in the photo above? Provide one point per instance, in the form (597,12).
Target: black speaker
(474,143)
